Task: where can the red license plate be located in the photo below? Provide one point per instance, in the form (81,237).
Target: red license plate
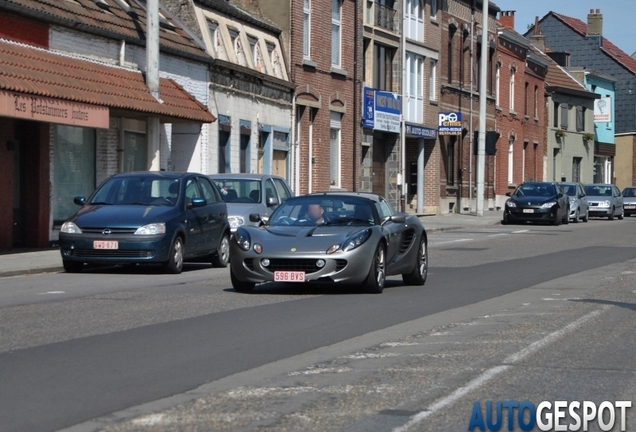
(103,244)
(289,276)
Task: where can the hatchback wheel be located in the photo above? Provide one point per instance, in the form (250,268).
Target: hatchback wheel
(377,273)
(622,215)
(577,215)
(587,216)
(174,265)
(420,270)
(611,216)
(557,220)
(222,255)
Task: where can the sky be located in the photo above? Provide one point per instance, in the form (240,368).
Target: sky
(619,16)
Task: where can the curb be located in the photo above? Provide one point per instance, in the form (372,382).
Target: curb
(25,272)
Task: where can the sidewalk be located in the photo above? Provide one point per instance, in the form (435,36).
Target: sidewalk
(24,263)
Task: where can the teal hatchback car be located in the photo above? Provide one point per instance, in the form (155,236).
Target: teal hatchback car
(148,217)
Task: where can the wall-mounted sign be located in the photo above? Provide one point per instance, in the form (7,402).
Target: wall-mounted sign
(603,110)
(450,123)
(420,131)
(38,108)
(382,110)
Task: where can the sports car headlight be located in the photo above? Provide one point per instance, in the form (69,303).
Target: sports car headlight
(356,240)
(511,204)
(152,229)
(243,239)
(549,204)
(70,228)
(604,204)
(235,221)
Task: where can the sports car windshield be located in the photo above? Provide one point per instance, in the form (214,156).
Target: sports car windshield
(147,191)
(313,211)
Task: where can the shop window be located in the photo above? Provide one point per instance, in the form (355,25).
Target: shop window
(73,168)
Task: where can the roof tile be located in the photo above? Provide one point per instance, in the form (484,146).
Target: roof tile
(85,15)
(608,47)
(40,72)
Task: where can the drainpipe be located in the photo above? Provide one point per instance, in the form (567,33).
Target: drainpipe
(152,82)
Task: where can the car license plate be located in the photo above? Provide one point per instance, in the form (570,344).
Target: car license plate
(528,210)
(289,276)
(102,244)
(630,207)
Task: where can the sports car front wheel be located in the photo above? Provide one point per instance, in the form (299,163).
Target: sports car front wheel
(240,286)
(377,273)
(420,269)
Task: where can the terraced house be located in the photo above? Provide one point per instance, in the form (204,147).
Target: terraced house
(249,86)
(76,107)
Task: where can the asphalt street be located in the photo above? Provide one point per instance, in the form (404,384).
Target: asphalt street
(139,350)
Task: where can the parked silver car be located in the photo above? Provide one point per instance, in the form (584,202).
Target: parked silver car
(578,201)
(629,200)
(246,194)
(604,200)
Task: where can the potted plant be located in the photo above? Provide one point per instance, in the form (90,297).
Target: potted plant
(588,136)
(560,133)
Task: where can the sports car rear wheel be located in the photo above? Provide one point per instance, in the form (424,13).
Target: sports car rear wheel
(240,286)
(420,271)
(377,273)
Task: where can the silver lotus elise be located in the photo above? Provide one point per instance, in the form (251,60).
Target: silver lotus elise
(351,238)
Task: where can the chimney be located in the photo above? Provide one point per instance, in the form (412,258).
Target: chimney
(595,23)
(507,19)
(537,38)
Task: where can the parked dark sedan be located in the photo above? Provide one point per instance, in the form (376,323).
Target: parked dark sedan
(148,217)
(537,202)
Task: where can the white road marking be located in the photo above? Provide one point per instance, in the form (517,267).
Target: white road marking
(627,272)
(496,235)
(520,231)
(494,371)
(451,241)
(52,292)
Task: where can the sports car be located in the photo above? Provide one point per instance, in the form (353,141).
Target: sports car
(349,238)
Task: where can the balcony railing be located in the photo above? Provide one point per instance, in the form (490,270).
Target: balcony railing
(385,17)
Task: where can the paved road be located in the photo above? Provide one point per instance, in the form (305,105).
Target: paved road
(74,348)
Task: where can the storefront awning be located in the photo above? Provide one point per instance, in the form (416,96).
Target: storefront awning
(57,77)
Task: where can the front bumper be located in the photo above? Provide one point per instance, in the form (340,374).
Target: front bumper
(629,209)
(537,214)
(595,211)
(342,267)
(132,249)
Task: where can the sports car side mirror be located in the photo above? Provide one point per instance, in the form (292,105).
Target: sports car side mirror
(79,200)
(399,219)
(508,194)
(255,217)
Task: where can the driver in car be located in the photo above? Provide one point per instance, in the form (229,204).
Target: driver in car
(315,213)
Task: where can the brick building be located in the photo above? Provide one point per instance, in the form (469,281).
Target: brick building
(80,107)
(459,93)
(576,43)
(520,98)
(422,39)
(321,39)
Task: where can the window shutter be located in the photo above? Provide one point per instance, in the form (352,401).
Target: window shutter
(579,119)
(564,116)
